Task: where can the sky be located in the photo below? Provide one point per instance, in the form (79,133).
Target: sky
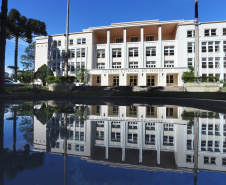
(92,13)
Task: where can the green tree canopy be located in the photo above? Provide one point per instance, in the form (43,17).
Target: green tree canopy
(42,72)
(20,27)
(83,75)
(28,59)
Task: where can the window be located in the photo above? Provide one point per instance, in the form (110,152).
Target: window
(81,41)
(169,79)
(69,146)
(210,62)
(224,62)
(224,46)
(101,53)
(209,160)
(224,31)
(168,63)
(151,51)
(149,139)
(150,126)
(116,53)
(79,136)
(81,52)
(100,66)
(190,33)
(58,54)
(223,161)
(169,50)
(133,64)
(210,32)
(98,79)
(116,65)
(132,110)
(115,136)
(57,145)
(80,65)
(150,111)
(133,52)
(204,63)
(132,138)
(217,46)
(54,54)
(118,39)
(72,53)
(191,47)
(132,125)
(204,129)
(190,144)
(190,62)
(210,129)
(169,127)
(203,47)
(169,113)
(100,135)
(59,43)
(71,41)
(151,64)
(189,158)
(150,38)
(168,141)
(79,148)
(217,62)
(210,46)
(133,39)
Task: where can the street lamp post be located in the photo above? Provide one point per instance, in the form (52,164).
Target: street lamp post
(66,48)
(196,40)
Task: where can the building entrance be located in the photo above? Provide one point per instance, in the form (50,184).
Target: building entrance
(133,80)
(150,80)
(115,80)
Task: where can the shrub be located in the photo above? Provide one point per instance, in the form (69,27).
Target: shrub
(50,79)
(60,79)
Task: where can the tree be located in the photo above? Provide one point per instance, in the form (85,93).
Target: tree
(189,75)
(23,28)
(25,76)
(3,25)
(28,59)
(83,75)
(41,73)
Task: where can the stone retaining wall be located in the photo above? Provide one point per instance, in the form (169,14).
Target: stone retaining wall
(202,87)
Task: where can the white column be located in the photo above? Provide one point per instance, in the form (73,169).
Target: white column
(158,140)
(123,139)
(159,64)
(106,138)
(61,61)
(200,59)
(124,61)
(140,141)
(222,61)
(141,63)
(108,66)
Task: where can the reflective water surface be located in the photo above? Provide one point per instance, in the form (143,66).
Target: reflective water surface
(66,143)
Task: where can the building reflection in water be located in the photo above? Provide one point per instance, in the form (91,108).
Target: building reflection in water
(138,137)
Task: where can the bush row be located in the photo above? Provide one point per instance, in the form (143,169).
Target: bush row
(60,79)
(201,79)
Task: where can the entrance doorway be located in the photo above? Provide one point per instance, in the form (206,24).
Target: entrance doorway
(151,80)
(115,80)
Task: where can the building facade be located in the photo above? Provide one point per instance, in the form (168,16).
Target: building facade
(144,53)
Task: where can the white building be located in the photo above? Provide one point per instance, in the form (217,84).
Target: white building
(143,53)
(143,137)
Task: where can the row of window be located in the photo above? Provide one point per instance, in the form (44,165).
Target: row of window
(207,47)
(211,62)
(80,148)
(80,52)
(133,52)
(207,32)
(71,66)
(71,42)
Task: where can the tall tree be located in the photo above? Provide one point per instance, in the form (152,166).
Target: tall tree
(42,72)
(28,59)
(23,28)
(3,23)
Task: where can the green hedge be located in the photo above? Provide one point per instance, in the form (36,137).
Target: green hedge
(201,79)
(60,79)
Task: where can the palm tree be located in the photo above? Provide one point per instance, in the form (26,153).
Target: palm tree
(23,28)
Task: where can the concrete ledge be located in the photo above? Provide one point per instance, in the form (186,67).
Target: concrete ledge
(60,87)
(202,87)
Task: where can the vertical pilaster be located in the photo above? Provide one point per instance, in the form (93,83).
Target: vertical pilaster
(123,139)
(124,63)
(106,138)
(140,140)
(141,63)
(159,64)
(108,66)
(158,140)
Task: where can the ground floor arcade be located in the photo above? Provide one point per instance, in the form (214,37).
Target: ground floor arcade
(137,77)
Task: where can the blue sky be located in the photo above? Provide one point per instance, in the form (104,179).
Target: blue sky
(91,13)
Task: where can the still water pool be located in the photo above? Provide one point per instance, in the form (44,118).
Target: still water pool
(57,143)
